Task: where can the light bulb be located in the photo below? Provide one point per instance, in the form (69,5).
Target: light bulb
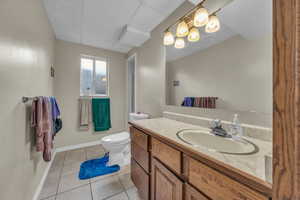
(168,38)
(179,43)
(182,29)
(213,24)
(201,17)
(194,35)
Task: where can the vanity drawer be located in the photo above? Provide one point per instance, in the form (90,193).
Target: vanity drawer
(141,156)
(167,155)
(139,138)
(216,185)
(140,179)
(192,194)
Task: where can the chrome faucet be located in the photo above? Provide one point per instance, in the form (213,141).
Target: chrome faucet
(216,128)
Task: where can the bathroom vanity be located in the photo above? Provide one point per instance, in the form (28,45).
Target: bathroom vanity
(164,167)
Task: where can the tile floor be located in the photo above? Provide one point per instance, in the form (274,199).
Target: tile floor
(62,182)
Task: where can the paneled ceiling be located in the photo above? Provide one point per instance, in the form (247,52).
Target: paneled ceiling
(111,24)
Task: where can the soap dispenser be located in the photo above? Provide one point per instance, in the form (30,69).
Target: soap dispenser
(236,128)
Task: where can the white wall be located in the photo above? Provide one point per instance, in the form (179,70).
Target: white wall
(67,91)
(26,55)
(238,71)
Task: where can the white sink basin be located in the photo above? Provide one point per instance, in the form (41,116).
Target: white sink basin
(237,146)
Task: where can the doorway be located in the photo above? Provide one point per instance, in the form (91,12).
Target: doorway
(131,69)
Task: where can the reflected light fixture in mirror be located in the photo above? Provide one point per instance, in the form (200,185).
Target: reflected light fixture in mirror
(182,29)
(179,43)
(194,35)
(213,24)
(201,17)
(168,38)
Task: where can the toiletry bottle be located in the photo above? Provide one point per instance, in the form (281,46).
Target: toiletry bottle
(236,128)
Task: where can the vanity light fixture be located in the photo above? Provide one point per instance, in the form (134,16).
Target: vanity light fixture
(194,35)
(188,26)
(182,29)
(201,17)
(168,38)
(213,25)
(179,43)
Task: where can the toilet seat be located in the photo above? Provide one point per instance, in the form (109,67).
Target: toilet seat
(119,138)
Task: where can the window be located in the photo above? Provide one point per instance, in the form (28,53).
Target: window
(93,77)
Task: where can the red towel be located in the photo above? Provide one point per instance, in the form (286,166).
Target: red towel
(42,121)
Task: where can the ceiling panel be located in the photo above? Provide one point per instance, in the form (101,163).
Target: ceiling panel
(133,37)
(100,23)
(103,21)
(164,7)
(146,19)
(65,16)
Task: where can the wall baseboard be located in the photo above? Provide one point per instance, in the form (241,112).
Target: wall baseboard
(40,186)
(60,149)
(77,146)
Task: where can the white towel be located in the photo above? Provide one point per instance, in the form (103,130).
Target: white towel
(84,114)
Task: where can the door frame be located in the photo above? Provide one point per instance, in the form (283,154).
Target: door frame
(286,96)
(133,56)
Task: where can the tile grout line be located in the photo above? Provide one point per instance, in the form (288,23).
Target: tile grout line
(124,189)
(113,195)
(90,183)
(91,191)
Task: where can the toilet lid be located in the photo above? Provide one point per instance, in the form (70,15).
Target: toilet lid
(116,138)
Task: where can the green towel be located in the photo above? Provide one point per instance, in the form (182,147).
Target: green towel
(101,114)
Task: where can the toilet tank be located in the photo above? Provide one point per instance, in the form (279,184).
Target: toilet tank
(138,116)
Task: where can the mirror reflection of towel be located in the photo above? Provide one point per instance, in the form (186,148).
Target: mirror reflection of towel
(84,114)
(188,101)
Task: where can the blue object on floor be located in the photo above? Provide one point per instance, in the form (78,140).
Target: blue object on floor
(96,167)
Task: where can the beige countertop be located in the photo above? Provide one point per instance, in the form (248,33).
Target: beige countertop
(252,164)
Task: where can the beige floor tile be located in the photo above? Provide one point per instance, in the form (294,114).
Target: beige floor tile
(106,187)
(81,193)
(126,181)
(75,156)
(58,162)
(50,186)
(133,194)
(121,196)
(70,168)
(70,181)
(50,198)
(125,169)
(103,177)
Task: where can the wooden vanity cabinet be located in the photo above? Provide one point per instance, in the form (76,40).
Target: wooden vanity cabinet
(164,184)
(140,162)
(161,171)
(192,194)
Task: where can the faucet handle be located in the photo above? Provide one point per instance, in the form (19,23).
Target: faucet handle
(216,123)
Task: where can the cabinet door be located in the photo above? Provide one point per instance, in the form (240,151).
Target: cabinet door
(164,184)
(140,179)
(192,194)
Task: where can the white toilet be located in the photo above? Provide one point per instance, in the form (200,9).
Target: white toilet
(118,146)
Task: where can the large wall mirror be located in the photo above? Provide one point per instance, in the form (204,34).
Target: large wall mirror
(230,69)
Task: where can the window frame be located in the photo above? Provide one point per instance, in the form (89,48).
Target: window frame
(95,58)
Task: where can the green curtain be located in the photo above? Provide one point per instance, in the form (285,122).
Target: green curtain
(101,114)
